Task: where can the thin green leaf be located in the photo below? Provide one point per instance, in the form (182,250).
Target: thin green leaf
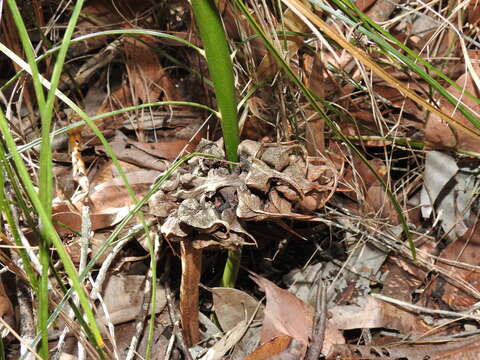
(221,70)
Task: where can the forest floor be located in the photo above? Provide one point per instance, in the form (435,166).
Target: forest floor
(356,213)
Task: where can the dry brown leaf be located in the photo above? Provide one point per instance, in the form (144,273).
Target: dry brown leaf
(168,149)
(232,306)
(146,74)
(63,180)
(64,213)
(368,312)
(126,152)
(402,278)
(473,13)
(108,198)
(285,314)
(465,250)
(271,348)
(364,5)
(441,134)
(382,9)
(123,298)
(320,83)
(6,307)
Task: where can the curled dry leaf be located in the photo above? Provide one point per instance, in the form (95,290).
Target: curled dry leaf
(285,314)
(271,181)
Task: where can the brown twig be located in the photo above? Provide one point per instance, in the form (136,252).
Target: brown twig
(319,323)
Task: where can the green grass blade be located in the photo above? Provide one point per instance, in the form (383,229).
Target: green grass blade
(44,178)
(29,52)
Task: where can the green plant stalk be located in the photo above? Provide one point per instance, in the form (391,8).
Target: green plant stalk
(29,52)
(221,71)
(153,297)
(220,68)
(46,188)
(314,101)
(43,312)
(232,268)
